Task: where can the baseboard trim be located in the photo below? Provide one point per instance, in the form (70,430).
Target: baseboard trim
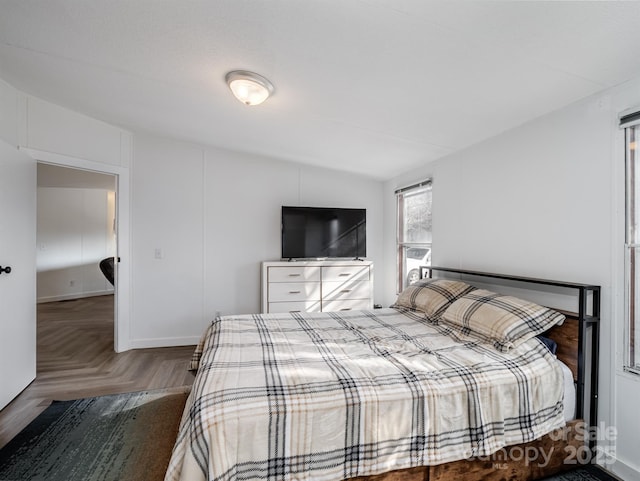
(69,297)
(163,342)
(623,470)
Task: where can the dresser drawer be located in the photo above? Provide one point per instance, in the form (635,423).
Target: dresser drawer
(303,306)
(346,305)
(345,273)
(294,291)
(293,273)
(332,290)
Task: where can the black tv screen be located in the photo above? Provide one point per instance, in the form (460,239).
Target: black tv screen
(313,232)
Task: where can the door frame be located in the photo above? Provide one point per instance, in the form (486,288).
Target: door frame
(122,284)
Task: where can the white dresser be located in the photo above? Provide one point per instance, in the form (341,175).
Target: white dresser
(315,286)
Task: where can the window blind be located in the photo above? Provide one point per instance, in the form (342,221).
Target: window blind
(630,119)
(415,186)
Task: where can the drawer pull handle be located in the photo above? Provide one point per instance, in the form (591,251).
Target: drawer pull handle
(294,292)
(294,275)
(345,290)
(345,274)
(346,309)
(294,311)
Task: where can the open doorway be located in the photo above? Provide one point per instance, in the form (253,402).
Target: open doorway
(76,230)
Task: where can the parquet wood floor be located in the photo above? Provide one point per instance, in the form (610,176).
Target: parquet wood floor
(75,359)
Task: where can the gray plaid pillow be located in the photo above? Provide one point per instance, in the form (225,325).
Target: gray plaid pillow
(505,321)
(431,296)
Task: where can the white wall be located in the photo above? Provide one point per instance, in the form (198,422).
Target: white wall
(9,110)
(167,217)
(544,200)
(75,232)
(243,199)
(51,128)
(214,216)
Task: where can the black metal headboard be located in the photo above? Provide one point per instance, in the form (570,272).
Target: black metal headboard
(588,317)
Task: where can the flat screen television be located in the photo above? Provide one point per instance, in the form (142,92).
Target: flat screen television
(319,232)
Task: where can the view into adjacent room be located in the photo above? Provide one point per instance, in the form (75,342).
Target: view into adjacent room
(76,230)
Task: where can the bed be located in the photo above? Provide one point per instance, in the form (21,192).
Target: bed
(432,387)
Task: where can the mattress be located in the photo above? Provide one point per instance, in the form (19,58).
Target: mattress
(569,400)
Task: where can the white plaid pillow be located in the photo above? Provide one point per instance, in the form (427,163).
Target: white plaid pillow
(431,296)
(505,321)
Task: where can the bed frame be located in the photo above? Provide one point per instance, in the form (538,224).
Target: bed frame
(562,450)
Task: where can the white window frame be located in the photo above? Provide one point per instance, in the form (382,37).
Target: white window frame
(632,243)
(402,244)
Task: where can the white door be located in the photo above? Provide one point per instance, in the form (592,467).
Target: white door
(17,288)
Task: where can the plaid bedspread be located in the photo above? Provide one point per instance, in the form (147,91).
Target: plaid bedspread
(330,396)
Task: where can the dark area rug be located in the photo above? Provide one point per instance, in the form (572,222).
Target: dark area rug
(585,473)
(118,437)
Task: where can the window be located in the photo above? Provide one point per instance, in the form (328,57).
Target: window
(413,232)
(632,242)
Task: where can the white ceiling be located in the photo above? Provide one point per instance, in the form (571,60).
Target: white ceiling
(374,87)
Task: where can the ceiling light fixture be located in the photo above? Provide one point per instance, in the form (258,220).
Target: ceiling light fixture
(249,87)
